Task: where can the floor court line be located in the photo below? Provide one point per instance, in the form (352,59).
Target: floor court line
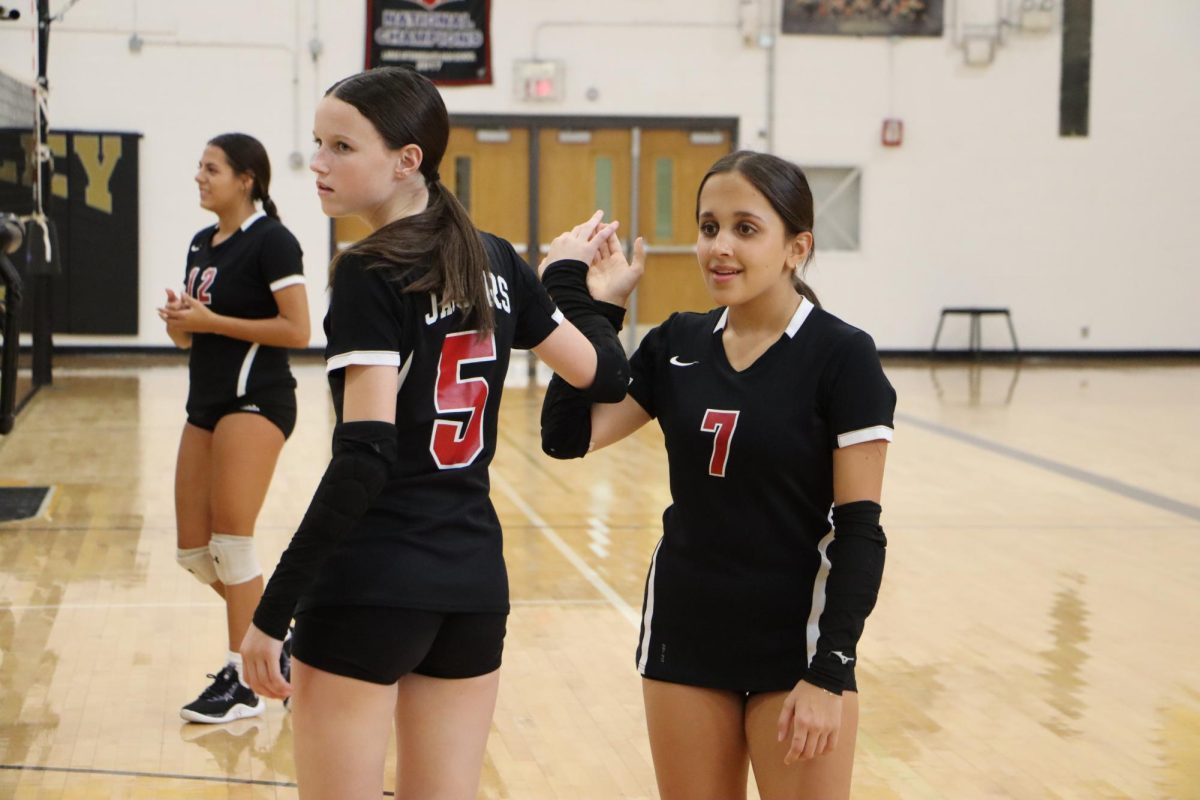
(589,574)
(1126,490)
(121,773)
(105,606)
(579,601)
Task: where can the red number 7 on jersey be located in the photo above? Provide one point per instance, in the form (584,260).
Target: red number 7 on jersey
(455,444)
(722,423)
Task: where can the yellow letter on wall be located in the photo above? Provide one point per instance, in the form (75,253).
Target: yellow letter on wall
(99,171)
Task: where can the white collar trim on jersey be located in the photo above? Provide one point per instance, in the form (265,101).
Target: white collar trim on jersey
(798,318)
(253,218)
(250,220)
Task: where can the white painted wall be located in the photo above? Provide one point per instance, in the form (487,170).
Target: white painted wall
(983,204)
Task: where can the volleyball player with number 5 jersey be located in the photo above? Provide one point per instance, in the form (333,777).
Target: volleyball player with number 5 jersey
(776,417)
(395,575)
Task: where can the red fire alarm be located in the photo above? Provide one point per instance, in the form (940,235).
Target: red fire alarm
(893,132)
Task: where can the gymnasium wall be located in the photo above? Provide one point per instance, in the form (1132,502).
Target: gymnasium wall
(984,203)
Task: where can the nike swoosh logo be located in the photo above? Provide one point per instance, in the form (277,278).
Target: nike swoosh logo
(676,362)
(195,248)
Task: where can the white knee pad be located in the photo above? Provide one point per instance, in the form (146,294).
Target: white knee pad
(198,561)
(234,558)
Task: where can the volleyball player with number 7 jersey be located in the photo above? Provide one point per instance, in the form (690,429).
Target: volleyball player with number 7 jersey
(396,575)
(776,417)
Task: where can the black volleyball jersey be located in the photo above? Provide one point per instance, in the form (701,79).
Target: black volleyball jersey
(431,539)
(750,455)
(238,278)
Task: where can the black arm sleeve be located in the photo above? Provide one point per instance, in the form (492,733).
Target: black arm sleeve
(566,281)
(567,411)
(856,557)
(566,421)
(363,453)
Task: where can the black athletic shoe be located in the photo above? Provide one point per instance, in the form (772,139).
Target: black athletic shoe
(226,699)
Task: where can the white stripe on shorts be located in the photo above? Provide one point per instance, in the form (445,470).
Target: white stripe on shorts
(644,646)
(244,374)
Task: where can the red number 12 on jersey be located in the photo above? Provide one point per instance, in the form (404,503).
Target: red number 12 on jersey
(455,444)
(722,423)
(206,281)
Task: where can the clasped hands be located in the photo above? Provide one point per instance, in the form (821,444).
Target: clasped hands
(611,277)
(185,314)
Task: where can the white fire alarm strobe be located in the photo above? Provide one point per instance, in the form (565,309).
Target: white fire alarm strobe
(538,81)
(893,132)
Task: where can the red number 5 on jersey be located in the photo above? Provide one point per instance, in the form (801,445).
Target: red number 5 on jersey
(455,444)
(722,423)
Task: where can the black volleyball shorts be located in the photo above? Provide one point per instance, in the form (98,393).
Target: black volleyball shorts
(382,645)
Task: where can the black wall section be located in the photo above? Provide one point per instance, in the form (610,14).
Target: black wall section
(94,206)
(1074,94)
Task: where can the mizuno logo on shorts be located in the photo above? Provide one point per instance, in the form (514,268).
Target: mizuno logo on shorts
(675,362)
(844,659)
(251,407)
(195,248)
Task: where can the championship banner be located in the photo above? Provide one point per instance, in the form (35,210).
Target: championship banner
(447,41)
(863,17)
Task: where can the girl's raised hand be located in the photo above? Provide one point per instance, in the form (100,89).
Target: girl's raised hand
(611,277)
(581,243)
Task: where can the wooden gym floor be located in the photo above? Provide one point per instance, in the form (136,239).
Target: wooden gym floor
(1035,636)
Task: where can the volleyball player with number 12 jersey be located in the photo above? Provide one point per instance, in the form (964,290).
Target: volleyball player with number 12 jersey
(244,303)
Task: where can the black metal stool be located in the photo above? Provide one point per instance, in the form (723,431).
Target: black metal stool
(975,342)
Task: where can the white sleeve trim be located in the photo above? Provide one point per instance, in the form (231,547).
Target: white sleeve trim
(865,435)
(364,358)
(286,281)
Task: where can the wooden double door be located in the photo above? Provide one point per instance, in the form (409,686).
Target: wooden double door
(528,182)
